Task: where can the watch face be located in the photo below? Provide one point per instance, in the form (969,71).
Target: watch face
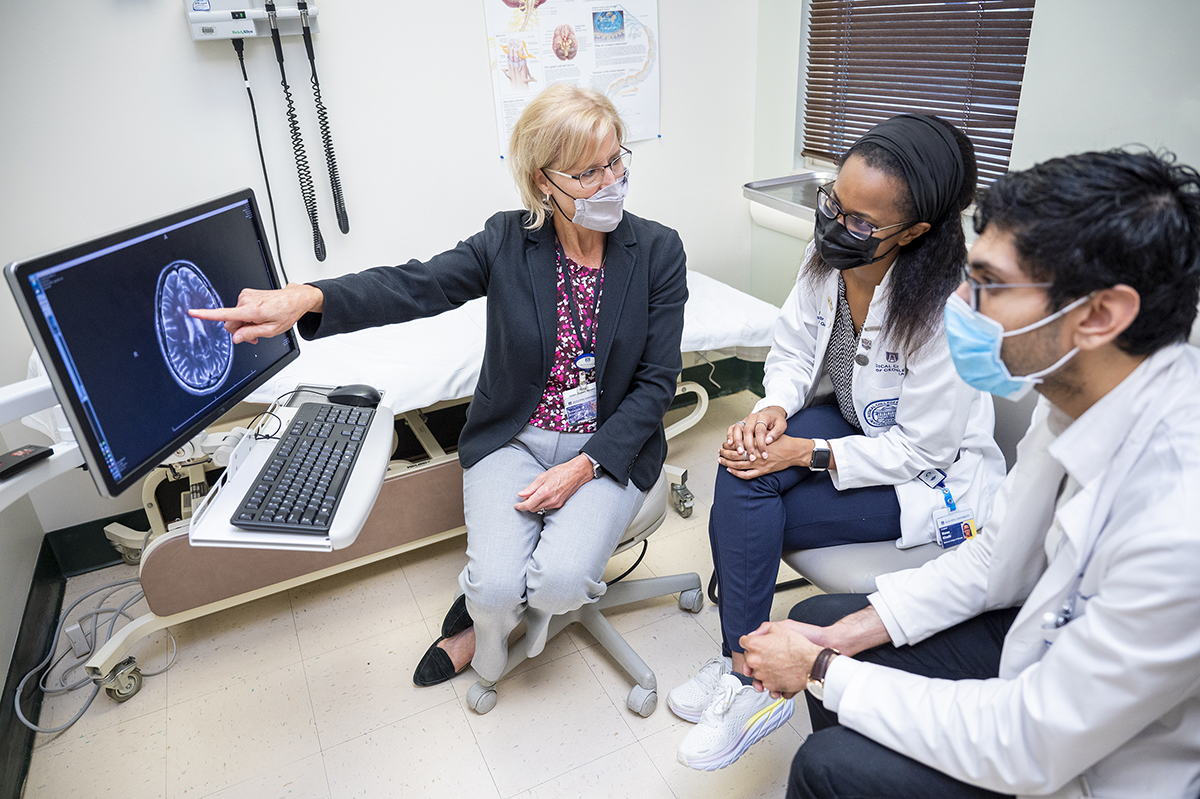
(820,459)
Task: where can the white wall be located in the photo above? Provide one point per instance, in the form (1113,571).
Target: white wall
(1107,73)
(113,115)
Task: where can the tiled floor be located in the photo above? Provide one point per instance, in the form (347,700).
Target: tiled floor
(308,693)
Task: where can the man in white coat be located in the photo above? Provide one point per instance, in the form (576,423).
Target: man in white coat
(1058,653)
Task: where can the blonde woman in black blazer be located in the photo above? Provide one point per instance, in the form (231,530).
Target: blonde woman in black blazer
(564,433)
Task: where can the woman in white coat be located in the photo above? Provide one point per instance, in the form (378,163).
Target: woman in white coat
(903,448)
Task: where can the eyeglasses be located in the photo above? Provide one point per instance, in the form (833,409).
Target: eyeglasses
(595,176)
(976,287)
(856,226)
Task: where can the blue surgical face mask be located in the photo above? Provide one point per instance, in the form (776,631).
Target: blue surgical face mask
(975,342)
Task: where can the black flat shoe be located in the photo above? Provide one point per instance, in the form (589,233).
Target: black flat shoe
(457,619)
(435,667)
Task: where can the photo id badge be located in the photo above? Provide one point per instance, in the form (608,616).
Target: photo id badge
(580,404)
(953,526)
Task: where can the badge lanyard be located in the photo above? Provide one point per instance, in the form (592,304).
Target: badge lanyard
(585,362)
(953,525)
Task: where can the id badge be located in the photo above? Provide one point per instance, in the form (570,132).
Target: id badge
(953,526)
(580,404)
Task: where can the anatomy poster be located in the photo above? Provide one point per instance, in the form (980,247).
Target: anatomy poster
(607,46)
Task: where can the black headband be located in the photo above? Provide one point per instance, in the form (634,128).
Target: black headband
(929,155)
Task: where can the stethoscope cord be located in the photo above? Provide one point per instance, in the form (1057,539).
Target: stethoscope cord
(335,181)
(302,171)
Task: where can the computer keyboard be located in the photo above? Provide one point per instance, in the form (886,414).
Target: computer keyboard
(300,485)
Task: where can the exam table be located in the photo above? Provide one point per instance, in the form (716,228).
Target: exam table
(421,367)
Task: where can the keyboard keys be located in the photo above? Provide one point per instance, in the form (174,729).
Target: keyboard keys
(300,485)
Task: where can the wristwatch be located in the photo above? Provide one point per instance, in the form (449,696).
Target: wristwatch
(597,469)
(816,676)
(821,455)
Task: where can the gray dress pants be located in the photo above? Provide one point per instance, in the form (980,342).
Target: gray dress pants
(523,565)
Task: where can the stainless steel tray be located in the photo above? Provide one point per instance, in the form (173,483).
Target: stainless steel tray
(793,194)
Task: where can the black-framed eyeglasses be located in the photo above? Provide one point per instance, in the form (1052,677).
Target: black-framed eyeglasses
(595,176)
(978,288)
(855,225)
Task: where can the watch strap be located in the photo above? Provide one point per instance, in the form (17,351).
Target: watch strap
(816,675)
(821,455)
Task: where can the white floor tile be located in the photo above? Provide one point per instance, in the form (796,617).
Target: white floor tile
(368,684)
(127,760)
(235,644)
(548,721)
(431,755)
(625,773)
(253,727)
(352,606)
(304,779)
(432,574)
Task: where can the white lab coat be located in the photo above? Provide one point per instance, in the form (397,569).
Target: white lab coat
(1107,705)
(915,411)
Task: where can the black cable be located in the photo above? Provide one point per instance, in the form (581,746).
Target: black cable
(302,171)
(335,182)
(627,572)
(239,46)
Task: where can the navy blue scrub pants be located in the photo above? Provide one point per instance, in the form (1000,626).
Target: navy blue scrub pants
(838,763)
(753,522)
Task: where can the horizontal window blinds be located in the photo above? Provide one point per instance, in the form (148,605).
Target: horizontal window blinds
(872,59)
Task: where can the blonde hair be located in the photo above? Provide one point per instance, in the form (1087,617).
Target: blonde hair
(562,126)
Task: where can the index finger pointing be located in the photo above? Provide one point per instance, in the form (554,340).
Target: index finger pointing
(238,314)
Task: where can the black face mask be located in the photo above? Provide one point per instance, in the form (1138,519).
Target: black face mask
(841,250)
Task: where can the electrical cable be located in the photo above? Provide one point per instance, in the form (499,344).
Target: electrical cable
(335,182)
(50,662)
(627,572)
(239,47)
(302,170)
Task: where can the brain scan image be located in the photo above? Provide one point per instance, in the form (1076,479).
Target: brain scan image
(198,353)
(565,43)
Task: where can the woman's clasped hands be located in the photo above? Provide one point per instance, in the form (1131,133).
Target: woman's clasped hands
(757,445)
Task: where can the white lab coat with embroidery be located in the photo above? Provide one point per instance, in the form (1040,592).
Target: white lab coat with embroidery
(916,413)
(1108,704)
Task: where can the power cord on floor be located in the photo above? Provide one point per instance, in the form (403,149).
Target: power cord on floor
(93,617)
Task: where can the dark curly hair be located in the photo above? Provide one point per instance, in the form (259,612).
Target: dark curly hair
(1094,220)
(929,268)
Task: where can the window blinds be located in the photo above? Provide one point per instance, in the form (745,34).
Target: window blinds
(872,59)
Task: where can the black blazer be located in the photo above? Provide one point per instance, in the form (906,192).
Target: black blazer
(640,328)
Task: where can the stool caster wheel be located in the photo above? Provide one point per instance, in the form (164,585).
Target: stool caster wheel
(481,698)
(642,701)
(682,499)
(692,601)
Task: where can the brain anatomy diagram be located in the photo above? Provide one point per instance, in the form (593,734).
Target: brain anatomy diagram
(524,14)
(565,44)
(198,353)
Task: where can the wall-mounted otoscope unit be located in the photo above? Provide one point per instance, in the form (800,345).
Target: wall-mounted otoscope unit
(237,20)
(234,19)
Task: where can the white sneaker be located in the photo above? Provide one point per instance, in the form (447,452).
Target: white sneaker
(738,717)
(689,700)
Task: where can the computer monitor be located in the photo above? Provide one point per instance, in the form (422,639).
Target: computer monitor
(136,375)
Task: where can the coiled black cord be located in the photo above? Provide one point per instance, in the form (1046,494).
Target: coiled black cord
(302,171)
(335,182)
(239,47)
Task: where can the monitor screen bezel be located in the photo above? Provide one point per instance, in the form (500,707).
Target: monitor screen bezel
(17,274)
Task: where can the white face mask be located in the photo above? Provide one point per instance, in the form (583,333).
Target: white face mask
(603,210)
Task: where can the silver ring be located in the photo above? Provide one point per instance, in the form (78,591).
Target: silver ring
(541,512)
(742,422)
(760,421)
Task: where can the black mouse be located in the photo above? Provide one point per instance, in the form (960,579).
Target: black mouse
(358,394)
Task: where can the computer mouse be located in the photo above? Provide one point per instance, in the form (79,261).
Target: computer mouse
(358,394)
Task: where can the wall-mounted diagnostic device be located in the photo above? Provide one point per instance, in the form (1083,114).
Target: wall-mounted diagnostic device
(238,19)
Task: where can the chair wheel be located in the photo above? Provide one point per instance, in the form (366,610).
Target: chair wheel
(642,701)
(481,698)
(692,601)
